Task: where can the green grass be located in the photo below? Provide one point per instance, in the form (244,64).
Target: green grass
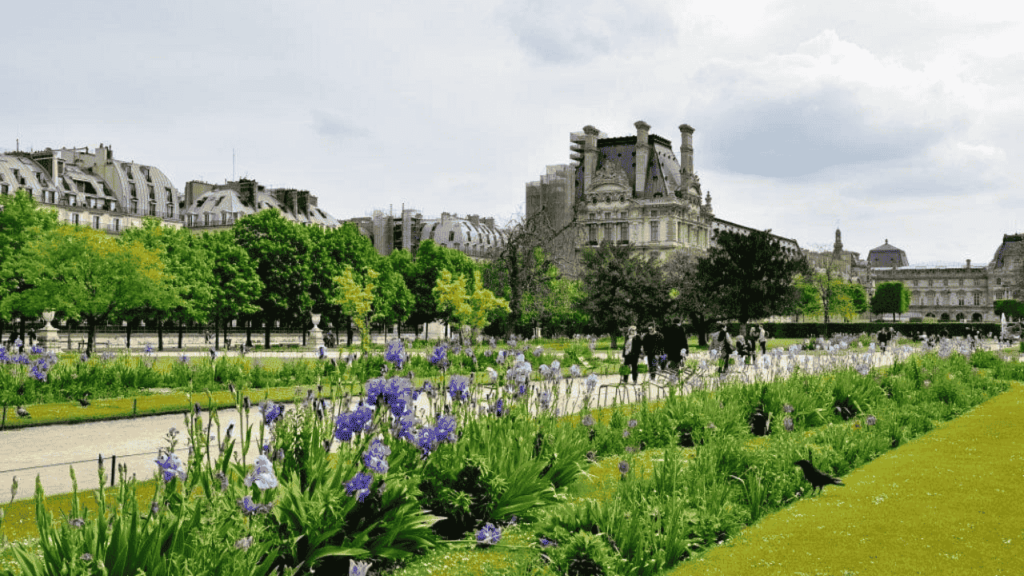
(19,524)
(945,503)
(941,504)
(149,405)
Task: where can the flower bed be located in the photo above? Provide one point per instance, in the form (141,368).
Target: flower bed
(377,483)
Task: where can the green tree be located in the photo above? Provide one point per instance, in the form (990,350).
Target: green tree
(808,303)
(688,289)
(430,259)
(1014,309)
(236,286)
(187,264)
(86,274)
(21,220)
(858,299)
(465,306)
(752,275)
(355,296)
(333,250)
(393,301)
(890,297)
(282,252)
(622,288)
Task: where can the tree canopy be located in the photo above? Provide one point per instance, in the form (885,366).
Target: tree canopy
(890,298)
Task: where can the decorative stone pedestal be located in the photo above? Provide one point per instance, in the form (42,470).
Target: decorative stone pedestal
(316,335)
(47,336)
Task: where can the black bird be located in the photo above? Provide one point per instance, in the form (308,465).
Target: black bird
(85,400)
(22,412)
(817,478)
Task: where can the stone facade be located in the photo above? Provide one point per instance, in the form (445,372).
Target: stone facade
(92,188)
(629,190)
(473,235)
(958,292)
(209,207)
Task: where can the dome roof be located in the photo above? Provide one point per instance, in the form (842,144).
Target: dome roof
(1013,245)
(887,256)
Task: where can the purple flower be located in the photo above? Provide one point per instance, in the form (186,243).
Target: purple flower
(871,420)
(395,353)
(711,426)
(250,508)
(262,474)
(359,485)
(243,543)
(458,388)
(84,357)
(171,466)
(149,349)
(787,409)
(376,458)
(348,423)
(544,542)
(440,356)
(591,383)
(183,359)
(489,535)
(545,400)
(321,353)
(86,557)
(359,568)
(574,371)
(623,467)
(271,411)
(374,389)
(499,408)
(787,423)
(588,420)
(632,423)
(625,432)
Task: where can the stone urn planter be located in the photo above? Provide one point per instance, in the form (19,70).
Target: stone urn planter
(47,335)
(316,335)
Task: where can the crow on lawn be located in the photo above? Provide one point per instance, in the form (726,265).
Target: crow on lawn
(22,412)
(817,478)
(85,400)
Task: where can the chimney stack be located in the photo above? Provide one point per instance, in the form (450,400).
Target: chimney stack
(643,152)
(968,263)
(686,151)
(589,155)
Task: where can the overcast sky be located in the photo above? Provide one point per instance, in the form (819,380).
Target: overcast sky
(892,120)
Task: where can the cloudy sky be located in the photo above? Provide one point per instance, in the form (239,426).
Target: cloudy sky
(892,120)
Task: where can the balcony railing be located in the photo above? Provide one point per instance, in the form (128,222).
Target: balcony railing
(200,221)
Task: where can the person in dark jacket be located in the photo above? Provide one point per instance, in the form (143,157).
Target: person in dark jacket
(654,346)
(676,341)
(726,345)
(631,354)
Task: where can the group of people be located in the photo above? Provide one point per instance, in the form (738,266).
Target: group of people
(745,346)
(665,352)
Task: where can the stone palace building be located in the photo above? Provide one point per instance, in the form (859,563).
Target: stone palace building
(629,190)
(959,293)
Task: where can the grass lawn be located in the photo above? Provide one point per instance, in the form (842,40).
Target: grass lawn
(946,503)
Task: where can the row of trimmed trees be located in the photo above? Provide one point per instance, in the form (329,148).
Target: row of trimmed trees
(263,271)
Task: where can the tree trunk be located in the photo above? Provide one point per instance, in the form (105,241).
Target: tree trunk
(91,343)
(128,336)
(181,333)
(160,335)
(21,330)
(348,332)
(615,339)
(248,333)
(266,335)
(302,329)
(216,333)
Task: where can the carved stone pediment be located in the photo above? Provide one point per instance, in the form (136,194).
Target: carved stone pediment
(610,173)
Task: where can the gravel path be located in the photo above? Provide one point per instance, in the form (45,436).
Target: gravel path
(48,451)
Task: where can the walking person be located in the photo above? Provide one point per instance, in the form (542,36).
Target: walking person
(676,342)
(762,338)
(741,348)
(654,345)
(631,355)
(725,343)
